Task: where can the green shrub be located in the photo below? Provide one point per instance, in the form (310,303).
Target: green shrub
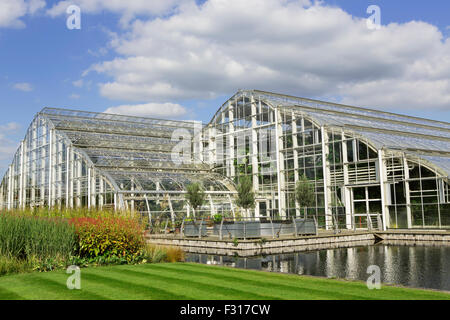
(109,237)
(9,265)
(218,218)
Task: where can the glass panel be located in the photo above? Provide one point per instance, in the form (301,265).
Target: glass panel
(375,207)
(359,193)
(416,215)
(374,193)
(431,215)
(445,215)
(360,207)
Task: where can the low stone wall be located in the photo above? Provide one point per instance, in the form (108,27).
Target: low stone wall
(279,250)
(259,245)
(246,248)
(414,236)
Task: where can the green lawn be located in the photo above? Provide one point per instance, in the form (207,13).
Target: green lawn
(188,281)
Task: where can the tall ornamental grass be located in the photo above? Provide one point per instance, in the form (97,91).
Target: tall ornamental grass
(26,237)
(157,253)
(73,213)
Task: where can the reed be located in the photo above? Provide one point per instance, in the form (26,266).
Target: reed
(23,237)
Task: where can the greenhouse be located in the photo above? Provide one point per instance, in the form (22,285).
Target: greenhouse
(364,165)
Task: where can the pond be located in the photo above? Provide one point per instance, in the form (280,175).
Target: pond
(408,265)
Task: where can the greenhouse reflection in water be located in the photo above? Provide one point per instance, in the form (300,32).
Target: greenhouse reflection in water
(413,266)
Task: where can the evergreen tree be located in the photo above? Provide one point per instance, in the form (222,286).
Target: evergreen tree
(305,193)
(246,196)
(195,195)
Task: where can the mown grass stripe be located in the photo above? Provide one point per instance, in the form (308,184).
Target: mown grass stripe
(189,281)
(142,291)
(214,291)
(49,289)
(281,291)
(328,285)
(6,294)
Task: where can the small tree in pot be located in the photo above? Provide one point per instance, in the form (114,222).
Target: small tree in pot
(246,196)
(195,195)
(305,193)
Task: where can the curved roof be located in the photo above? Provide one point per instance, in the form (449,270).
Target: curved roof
(428,139)
(129,149)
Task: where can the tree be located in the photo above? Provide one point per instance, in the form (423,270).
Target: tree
(246,196)
(195,195)
(305,193)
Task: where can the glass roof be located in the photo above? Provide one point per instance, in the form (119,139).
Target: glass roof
(133,149)
(116,142)
(382,129)
(403,141)
(440,162)
(279,99)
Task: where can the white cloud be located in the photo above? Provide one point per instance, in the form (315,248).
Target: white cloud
(74,96)
(164,110)
(7,145)
(78,83)
(98,53)
(9,127)
(23,86)
(7,149)
(127,9)
(11,11)
(312,50)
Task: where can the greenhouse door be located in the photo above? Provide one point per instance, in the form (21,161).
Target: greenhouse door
(366,201)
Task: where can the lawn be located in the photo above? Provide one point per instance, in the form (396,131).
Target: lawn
(186,281)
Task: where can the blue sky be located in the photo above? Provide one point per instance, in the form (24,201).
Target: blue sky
(178,59)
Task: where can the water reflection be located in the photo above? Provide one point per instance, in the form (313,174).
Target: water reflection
(413,266)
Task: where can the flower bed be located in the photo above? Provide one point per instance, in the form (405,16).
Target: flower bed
(109,237)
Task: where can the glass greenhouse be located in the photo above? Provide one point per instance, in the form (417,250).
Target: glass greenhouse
(363,164)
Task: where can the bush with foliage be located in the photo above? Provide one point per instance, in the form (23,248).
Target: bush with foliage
(218,218)
(109,237)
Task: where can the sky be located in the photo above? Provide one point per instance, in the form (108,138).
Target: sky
(181,59)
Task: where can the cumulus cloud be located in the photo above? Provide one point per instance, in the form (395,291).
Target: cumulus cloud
(23,86)
(11,11)
(297,47)
(159,110)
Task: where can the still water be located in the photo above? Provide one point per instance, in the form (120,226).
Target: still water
(412,266)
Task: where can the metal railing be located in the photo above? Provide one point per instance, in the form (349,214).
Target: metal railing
(245,228)
(239,228)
